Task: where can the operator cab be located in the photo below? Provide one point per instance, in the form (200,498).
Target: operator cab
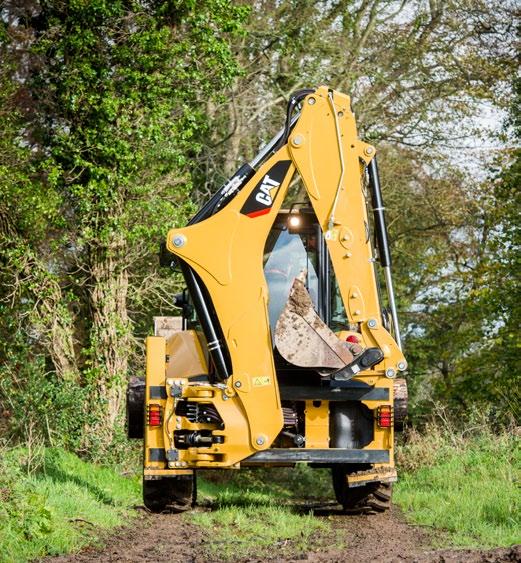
(296,246)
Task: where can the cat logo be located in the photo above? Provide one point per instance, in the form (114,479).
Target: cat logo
(261,198)
(263,195)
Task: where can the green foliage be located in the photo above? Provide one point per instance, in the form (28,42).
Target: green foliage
(463,482)
(464,339)
(40,404)
(52,502)
(117,117)
(123,116)
(36,402)
(102,117)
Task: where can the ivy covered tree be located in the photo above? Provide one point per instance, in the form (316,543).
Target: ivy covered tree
(110,98)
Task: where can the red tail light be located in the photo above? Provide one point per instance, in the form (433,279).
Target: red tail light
(384,416)
(154,415)
(353,339)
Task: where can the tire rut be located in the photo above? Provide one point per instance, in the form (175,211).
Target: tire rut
(352,538)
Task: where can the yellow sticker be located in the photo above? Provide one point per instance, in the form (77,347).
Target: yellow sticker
(261,381)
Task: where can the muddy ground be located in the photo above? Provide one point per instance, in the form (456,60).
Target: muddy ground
(376,538)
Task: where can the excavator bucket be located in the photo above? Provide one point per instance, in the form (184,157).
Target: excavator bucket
(303,339)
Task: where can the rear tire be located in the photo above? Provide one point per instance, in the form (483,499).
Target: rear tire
(372,498)
(169,494)
(135,407)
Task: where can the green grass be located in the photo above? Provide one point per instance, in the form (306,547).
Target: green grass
(53,502)
(254,512)
(462,483)
(465,484)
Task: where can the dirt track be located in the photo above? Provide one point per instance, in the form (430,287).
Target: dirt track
(381,538)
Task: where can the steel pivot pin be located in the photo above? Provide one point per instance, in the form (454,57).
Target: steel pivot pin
(297,140)
(179,240)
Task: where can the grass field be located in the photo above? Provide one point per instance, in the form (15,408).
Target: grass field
(466,483)
(463,483)
(51,502)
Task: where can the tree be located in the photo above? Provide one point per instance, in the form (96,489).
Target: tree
(110,101)
(416,71)
(420,75)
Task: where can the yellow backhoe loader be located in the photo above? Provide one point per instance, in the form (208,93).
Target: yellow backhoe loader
(284,352)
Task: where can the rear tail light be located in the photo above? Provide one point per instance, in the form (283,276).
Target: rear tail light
(384,416)
(353,339)
(154,415)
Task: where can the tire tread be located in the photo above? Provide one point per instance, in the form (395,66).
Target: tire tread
(372,498)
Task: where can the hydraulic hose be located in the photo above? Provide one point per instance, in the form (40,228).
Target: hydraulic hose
(210,329)
(382,241)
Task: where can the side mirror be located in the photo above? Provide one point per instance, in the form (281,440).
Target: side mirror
(180,299)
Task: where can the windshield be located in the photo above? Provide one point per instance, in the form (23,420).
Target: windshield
(287,255)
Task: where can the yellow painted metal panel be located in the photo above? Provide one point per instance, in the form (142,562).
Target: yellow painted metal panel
(185,356)
(317,424)
(155,376)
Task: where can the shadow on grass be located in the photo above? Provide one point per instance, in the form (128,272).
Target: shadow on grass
(54,471)
(316,507)
(319,508)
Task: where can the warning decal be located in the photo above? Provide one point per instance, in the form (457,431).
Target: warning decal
(261,381)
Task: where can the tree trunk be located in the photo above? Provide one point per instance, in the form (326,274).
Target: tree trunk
(28,275)
(110,331)
(59,328)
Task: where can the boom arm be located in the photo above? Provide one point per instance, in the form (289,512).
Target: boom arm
(225,252)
